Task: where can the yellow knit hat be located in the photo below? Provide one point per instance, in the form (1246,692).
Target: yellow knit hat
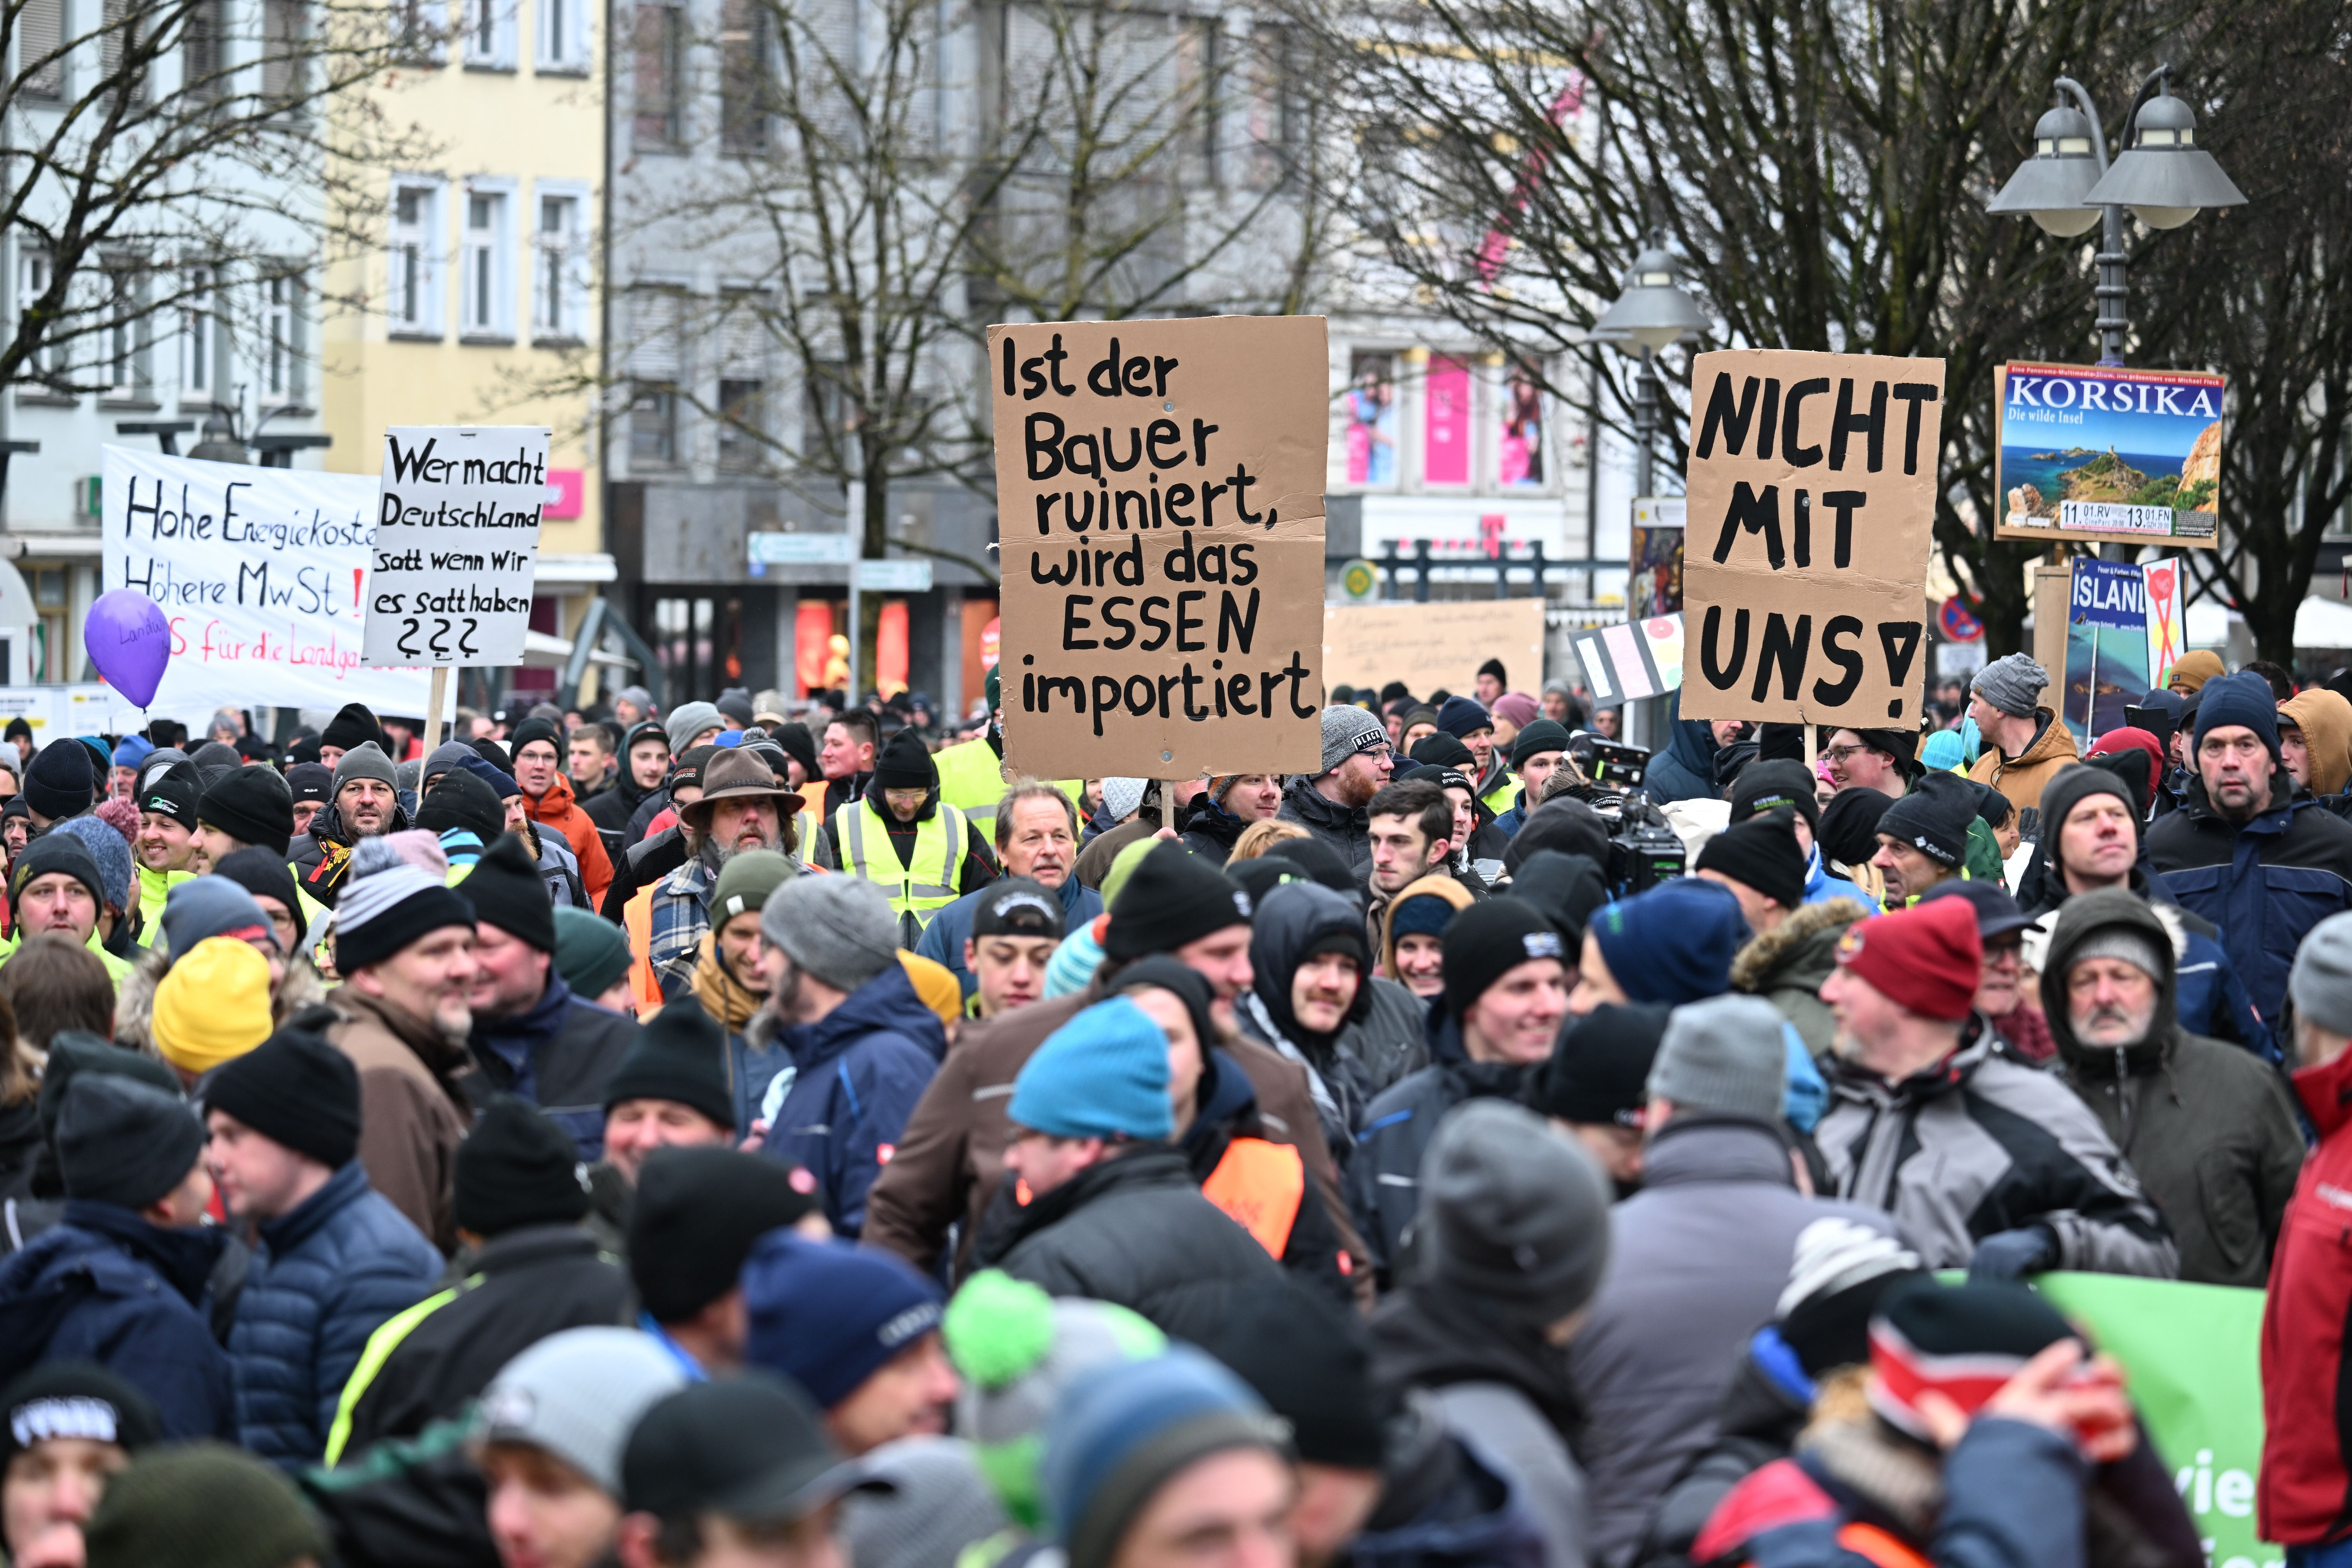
(213,1005)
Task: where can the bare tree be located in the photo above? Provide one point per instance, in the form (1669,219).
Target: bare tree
(162,145)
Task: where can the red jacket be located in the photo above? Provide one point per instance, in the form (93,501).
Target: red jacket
(2305,1495)
(556,809)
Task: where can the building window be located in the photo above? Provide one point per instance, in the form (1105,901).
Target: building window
(1198,83)
(486,280)
(119,42)
(201,330)
(417,27)
(743,92)
(743,379)
(127,342)
(40,49)
(52,650)
(563,35)
(201,54)
(283,372)
(656,316)
(414,294)
(1274,113)
(560,280)
(285,51)
(652,429)
(490,35)
(32,275)
(660,76)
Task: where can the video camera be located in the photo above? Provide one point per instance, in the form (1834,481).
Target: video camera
(1608,763)
(1644,847)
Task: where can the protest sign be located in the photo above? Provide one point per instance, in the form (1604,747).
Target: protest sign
(258,571)
(2100,452)
(457,538)
(1434,645)
(1811,496)
(1625,663)
(2191,1356)
(1160,504)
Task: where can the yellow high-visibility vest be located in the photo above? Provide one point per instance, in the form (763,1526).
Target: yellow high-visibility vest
(918,891)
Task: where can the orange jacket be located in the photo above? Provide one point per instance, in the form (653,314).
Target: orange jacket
(637,922)
(557,809)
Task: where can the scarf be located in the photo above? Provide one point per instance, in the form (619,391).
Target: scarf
(724,997)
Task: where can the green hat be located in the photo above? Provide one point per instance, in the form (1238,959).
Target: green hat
(590,952)
(995,688)
(744,885)
(202,1505)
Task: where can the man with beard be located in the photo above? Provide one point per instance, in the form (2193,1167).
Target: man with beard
(1036,838)
(740,808)
(539,771)
(365,804)
(405,946)
(899,835)
(1357,760)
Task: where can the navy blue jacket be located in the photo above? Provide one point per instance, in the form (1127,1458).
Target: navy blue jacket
(559,1054)
(2265,884)
(857,1075)
(943,939)
(105,1286)
(1685,769)
(324,1279)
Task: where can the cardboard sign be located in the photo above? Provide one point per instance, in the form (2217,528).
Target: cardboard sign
(1812,506)
(1440,643)
(1160,504)
(456,539)
(259,572)
(2100,452)
(1625,663)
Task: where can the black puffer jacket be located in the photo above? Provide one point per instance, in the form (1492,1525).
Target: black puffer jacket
(1344,828)
(322,859)
(1136,1231)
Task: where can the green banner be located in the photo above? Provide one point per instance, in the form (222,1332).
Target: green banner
(2192,1354)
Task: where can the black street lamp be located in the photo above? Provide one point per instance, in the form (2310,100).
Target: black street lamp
(2162,175)
(1650,312)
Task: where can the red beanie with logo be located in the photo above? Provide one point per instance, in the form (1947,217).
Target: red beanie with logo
(1927,958)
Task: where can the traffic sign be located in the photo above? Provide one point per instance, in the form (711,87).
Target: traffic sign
(1956,625)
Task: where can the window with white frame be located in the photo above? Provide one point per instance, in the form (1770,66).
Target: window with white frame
(487,283)
(490,35)
(655,324)
(563,40)
(283,340)
(126,365)
(413,291)
(559,309)
(40,48)
(199,364)
(34,270)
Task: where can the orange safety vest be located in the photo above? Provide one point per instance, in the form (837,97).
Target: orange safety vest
(1259,1185)
(637,921)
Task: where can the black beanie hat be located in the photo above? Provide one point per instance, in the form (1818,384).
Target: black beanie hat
(1487,941)
(507,892)
(1171,897)
(57,852)
(1599,1070)
(1444,750)
(124,1143)
(531,730)
(1307,1359)
(1934,817)
(680,1056)
(352,727)
(1761,852)
(697,1214)
(1765,786)
(459,799)
(311,780)
(799,745)
(172,794)
(516,1168)
(1849,830)
(253,806)
(60,783)
(490,751)
(644,729)
(75,1051)
(1540,735)
(686,767)
(296,1089)
(263,875)
(905,763)
(1318,860)
(75,1399)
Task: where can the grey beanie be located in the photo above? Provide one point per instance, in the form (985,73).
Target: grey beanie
(2013,684)
(2321,981)
(1348,730)
(447,757)
(1723,1057)
(124,1143)
(364,760)
(938,1502)
(689,719)
(1512,1211)
(839,929)
(1123,798)
(577,1394)
(2128,944)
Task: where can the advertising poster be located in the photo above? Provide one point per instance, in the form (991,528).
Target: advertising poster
(1446,421)
(1519,433)
(1654,557)
(1370,406)
(2100,452)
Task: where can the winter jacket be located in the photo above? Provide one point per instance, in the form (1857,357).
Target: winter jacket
(750,1068)
(1441,1505)
(414,1108)
(1391,1040)
(648,862)
(1977,1144)
(951,928)
(408,1501)
(1505,1390)
(558,810)
(610,809)
(951,1156)
(1787,965)
(320,858)
(1697,1259)
(1384,1176)
(105,1286)
(2265,884)
(1344,828)
(2208,1128)
(558,1054)
(522,1285)
(1290,921)
(20,1146)
(1821,885)
(857,1073)
(1762,1413)
(1212,831)
(2020,781)
(1225,1111)
(2304,1494)
(1135,1231)
(1685,769)
(324,1279)
(559,867)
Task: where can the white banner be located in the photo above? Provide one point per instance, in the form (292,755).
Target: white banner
(261,573)
(456,539)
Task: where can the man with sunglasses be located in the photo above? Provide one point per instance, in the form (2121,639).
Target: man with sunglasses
(1357,760)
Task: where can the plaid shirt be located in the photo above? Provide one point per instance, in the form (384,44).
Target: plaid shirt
(681,914)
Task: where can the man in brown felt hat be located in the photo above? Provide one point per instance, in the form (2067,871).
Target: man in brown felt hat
(741,807)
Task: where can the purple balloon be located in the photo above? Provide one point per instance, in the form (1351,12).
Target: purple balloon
(130,642)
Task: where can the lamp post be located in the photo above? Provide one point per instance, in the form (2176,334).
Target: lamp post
(2161,175)
(1651,312)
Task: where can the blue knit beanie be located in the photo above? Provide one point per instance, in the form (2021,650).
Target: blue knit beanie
(1674,944)
(1122,1431)
(1074,962)
(1943,751)
(827,1314)
(1462,717)
(109,849)
(1103,1073)
(132,750)
(2244,699)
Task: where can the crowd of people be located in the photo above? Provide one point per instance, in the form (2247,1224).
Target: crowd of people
(767,1134)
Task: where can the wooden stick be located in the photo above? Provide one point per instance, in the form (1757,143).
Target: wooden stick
(439,693)
(1168,804)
